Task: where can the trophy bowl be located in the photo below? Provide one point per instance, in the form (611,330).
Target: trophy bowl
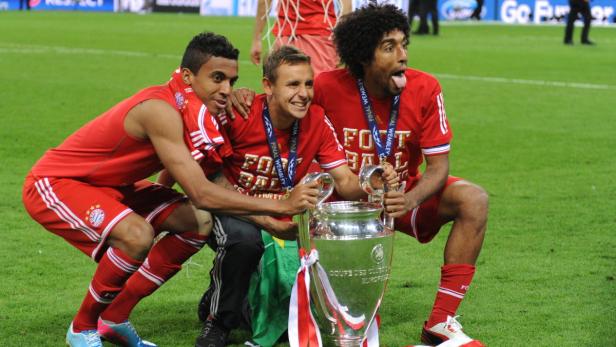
(355,250)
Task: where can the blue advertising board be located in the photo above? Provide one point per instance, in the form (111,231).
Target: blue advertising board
(66,5)
(525,11)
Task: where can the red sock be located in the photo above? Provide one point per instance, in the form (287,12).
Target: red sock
(113,270)
(455,279)
(164,260)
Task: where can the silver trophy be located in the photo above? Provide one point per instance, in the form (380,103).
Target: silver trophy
(355,248)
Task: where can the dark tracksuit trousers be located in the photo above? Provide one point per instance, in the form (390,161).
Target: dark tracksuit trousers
(239,247)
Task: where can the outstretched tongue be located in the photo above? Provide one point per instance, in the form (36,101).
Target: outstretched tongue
(399,80)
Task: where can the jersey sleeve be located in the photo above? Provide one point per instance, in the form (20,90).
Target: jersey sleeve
(331,154)
(435,132)
(202,135)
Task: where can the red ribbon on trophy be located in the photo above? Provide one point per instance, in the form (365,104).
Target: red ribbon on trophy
(303,329)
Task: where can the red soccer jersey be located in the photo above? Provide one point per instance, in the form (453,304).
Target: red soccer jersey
(422,126)
(305,17)
(101,153)
(248,164)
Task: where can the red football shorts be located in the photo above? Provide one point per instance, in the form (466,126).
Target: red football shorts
(320,49)
(84,215)
(422,222)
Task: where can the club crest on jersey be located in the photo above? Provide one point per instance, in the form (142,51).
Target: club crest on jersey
(179,100)
(95,215)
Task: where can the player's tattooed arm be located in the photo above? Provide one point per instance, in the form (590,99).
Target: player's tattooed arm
(281,229)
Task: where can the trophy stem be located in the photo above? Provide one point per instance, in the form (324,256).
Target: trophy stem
(303,221)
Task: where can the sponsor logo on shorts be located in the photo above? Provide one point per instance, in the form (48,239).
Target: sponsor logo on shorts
(95,216)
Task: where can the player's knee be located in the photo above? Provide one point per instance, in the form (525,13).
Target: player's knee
(136,239)
(204,222)
(475,203)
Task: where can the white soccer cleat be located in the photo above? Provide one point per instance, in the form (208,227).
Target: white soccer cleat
(448,334)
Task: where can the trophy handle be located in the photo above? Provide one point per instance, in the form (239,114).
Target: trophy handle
(365,179)
(327,184)
(366,174)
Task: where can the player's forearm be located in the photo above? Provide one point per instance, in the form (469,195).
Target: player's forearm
(349,189)
(432,180)
(260,19)
(220,180)
(262,221)
(220,200)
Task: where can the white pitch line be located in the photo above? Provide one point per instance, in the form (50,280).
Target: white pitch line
(505,80)
(6,47)
(40,49)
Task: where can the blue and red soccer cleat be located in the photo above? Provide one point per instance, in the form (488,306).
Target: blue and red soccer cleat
(122,334)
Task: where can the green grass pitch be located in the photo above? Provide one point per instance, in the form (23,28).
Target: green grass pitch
(534,123)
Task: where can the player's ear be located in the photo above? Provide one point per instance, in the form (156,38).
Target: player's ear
(267,86)
(187,76)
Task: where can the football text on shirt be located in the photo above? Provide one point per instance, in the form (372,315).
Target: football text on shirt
(362,139)
(265,178)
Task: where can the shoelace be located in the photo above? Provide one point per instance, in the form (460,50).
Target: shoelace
(206,328)
(453,324)
(209,326)
(92,338)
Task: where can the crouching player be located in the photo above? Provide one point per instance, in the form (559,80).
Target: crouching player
(91,190)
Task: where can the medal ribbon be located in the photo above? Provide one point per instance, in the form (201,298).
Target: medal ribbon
(286,181)
(383,152)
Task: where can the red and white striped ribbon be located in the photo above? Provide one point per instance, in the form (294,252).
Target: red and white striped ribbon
(303,330)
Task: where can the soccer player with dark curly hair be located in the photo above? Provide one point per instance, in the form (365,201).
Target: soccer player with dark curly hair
(377,94)
(92,190)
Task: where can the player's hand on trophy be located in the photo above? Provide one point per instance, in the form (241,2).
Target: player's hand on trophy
(241,99)
(302,197)
(285,230)
(387,176)
(390,176)
(397,203)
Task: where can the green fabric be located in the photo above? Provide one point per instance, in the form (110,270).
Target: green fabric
(270,289)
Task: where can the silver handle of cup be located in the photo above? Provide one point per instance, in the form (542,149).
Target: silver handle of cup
(327,184)
(325,191)
(366,175)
